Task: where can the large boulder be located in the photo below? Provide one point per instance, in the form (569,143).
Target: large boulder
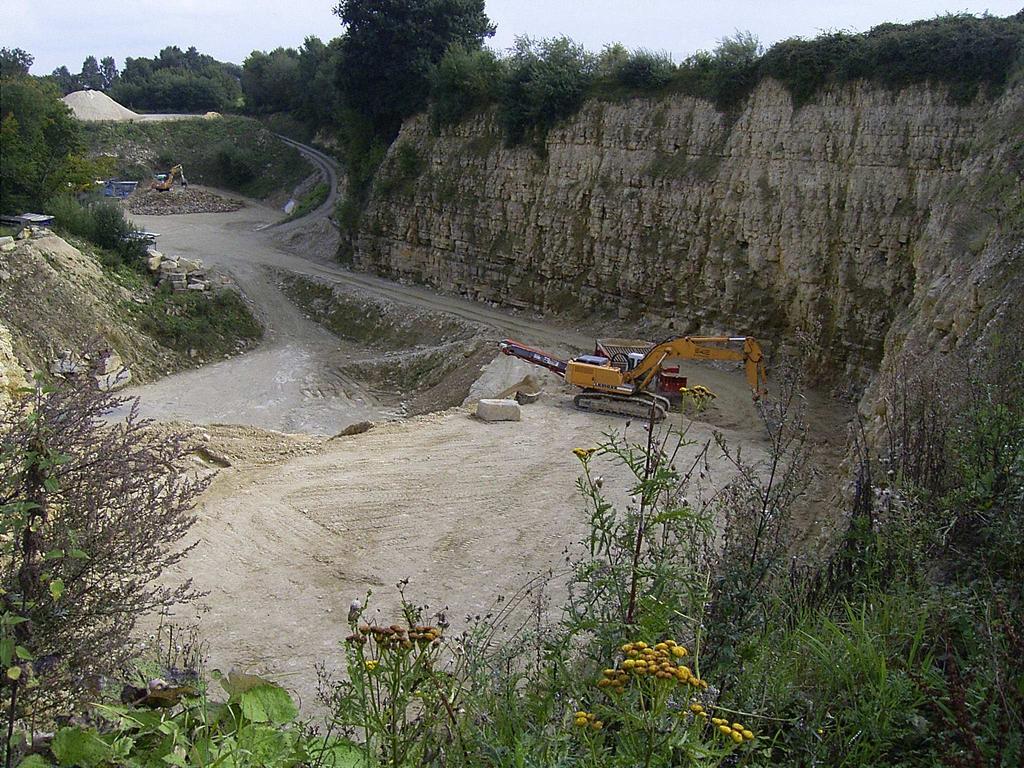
(498,410)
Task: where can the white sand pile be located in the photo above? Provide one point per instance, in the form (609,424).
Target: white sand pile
(96,105)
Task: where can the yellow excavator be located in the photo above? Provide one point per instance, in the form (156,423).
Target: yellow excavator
(165,181)
(617,377)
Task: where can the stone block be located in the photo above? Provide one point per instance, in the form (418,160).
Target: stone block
(498,410)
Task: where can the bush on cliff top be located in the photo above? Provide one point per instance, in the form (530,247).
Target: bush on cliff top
(543,82)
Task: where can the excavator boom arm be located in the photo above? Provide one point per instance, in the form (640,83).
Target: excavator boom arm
(703,348)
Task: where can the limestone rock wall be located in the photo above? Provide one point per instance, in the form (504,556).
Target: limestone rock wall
(665,215)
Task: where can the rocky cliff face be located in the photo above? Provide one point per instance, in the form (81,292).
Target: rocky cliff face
(668,216)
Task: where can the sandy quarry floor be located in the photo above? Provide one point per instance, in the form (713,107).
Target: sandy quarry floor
(466,510)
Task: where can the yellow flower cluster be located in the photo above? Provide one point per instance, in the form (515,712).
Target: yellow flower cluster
(735,731)
(659,661)
(698,392)
(371,664)
(395,636)
(586,719)
(584,454)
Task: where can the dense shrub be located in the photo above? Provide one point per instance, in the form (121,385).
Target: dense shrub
(962,51)
(547,81)
(210,325)
(42,145)
(635,71)
(237,166)
(101,222)
(465,79)
(92,511)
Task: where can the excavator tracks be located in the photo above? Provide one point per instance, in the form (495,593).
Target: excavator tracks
(634,406)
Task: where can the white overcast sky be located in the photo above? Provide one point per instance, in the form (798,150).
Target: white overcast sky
(66,31)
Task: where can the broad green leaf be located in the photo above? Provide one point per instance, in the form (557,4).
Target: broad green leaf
(56,588)
(268,703)
(237,683)
(22,653)
(339,753)
(13,673)
(80,748)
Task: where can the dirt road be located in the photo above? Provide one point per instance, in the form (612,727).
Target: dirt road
(293,382)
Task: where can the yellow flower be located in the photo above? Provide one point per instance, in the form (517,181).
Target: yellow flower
(678,651)
(696,708)
(725,729)
(371,664)
(737,727)
(584,454)
(737,737)
(747,734)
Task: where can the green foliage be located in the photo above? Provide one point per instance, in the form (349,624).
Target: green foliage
(272,82)
(254,728)
(465,79)
(14,62)
(399,174)
(101,222)
(547,82)
(634,71)
(905,648)
(211,325)
(178,81)
(235,153)
(41,146)
(390,48)
(310,201)
(300,83)
(91,513)
(960,50)
(237,167)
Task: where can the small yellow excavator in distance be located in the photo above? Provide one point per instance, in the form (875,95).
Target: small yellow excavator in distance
(619,384)
(165,181)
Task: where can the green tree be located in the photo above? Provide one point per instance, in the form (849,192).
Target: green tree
(65,81)
(91,76)
(391,47)
(108,72)
(272,82)
(178,81)
(14,62)
(41,145)
(464,80)
(317,66)
(547,82)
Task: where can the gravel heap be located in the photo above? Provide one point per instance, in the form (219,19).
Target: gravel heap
(96,105)
(149,202)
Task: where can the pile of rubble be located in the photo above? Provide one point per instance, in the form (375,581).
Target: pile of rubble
(179,273)
(107,368)
(150,202)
